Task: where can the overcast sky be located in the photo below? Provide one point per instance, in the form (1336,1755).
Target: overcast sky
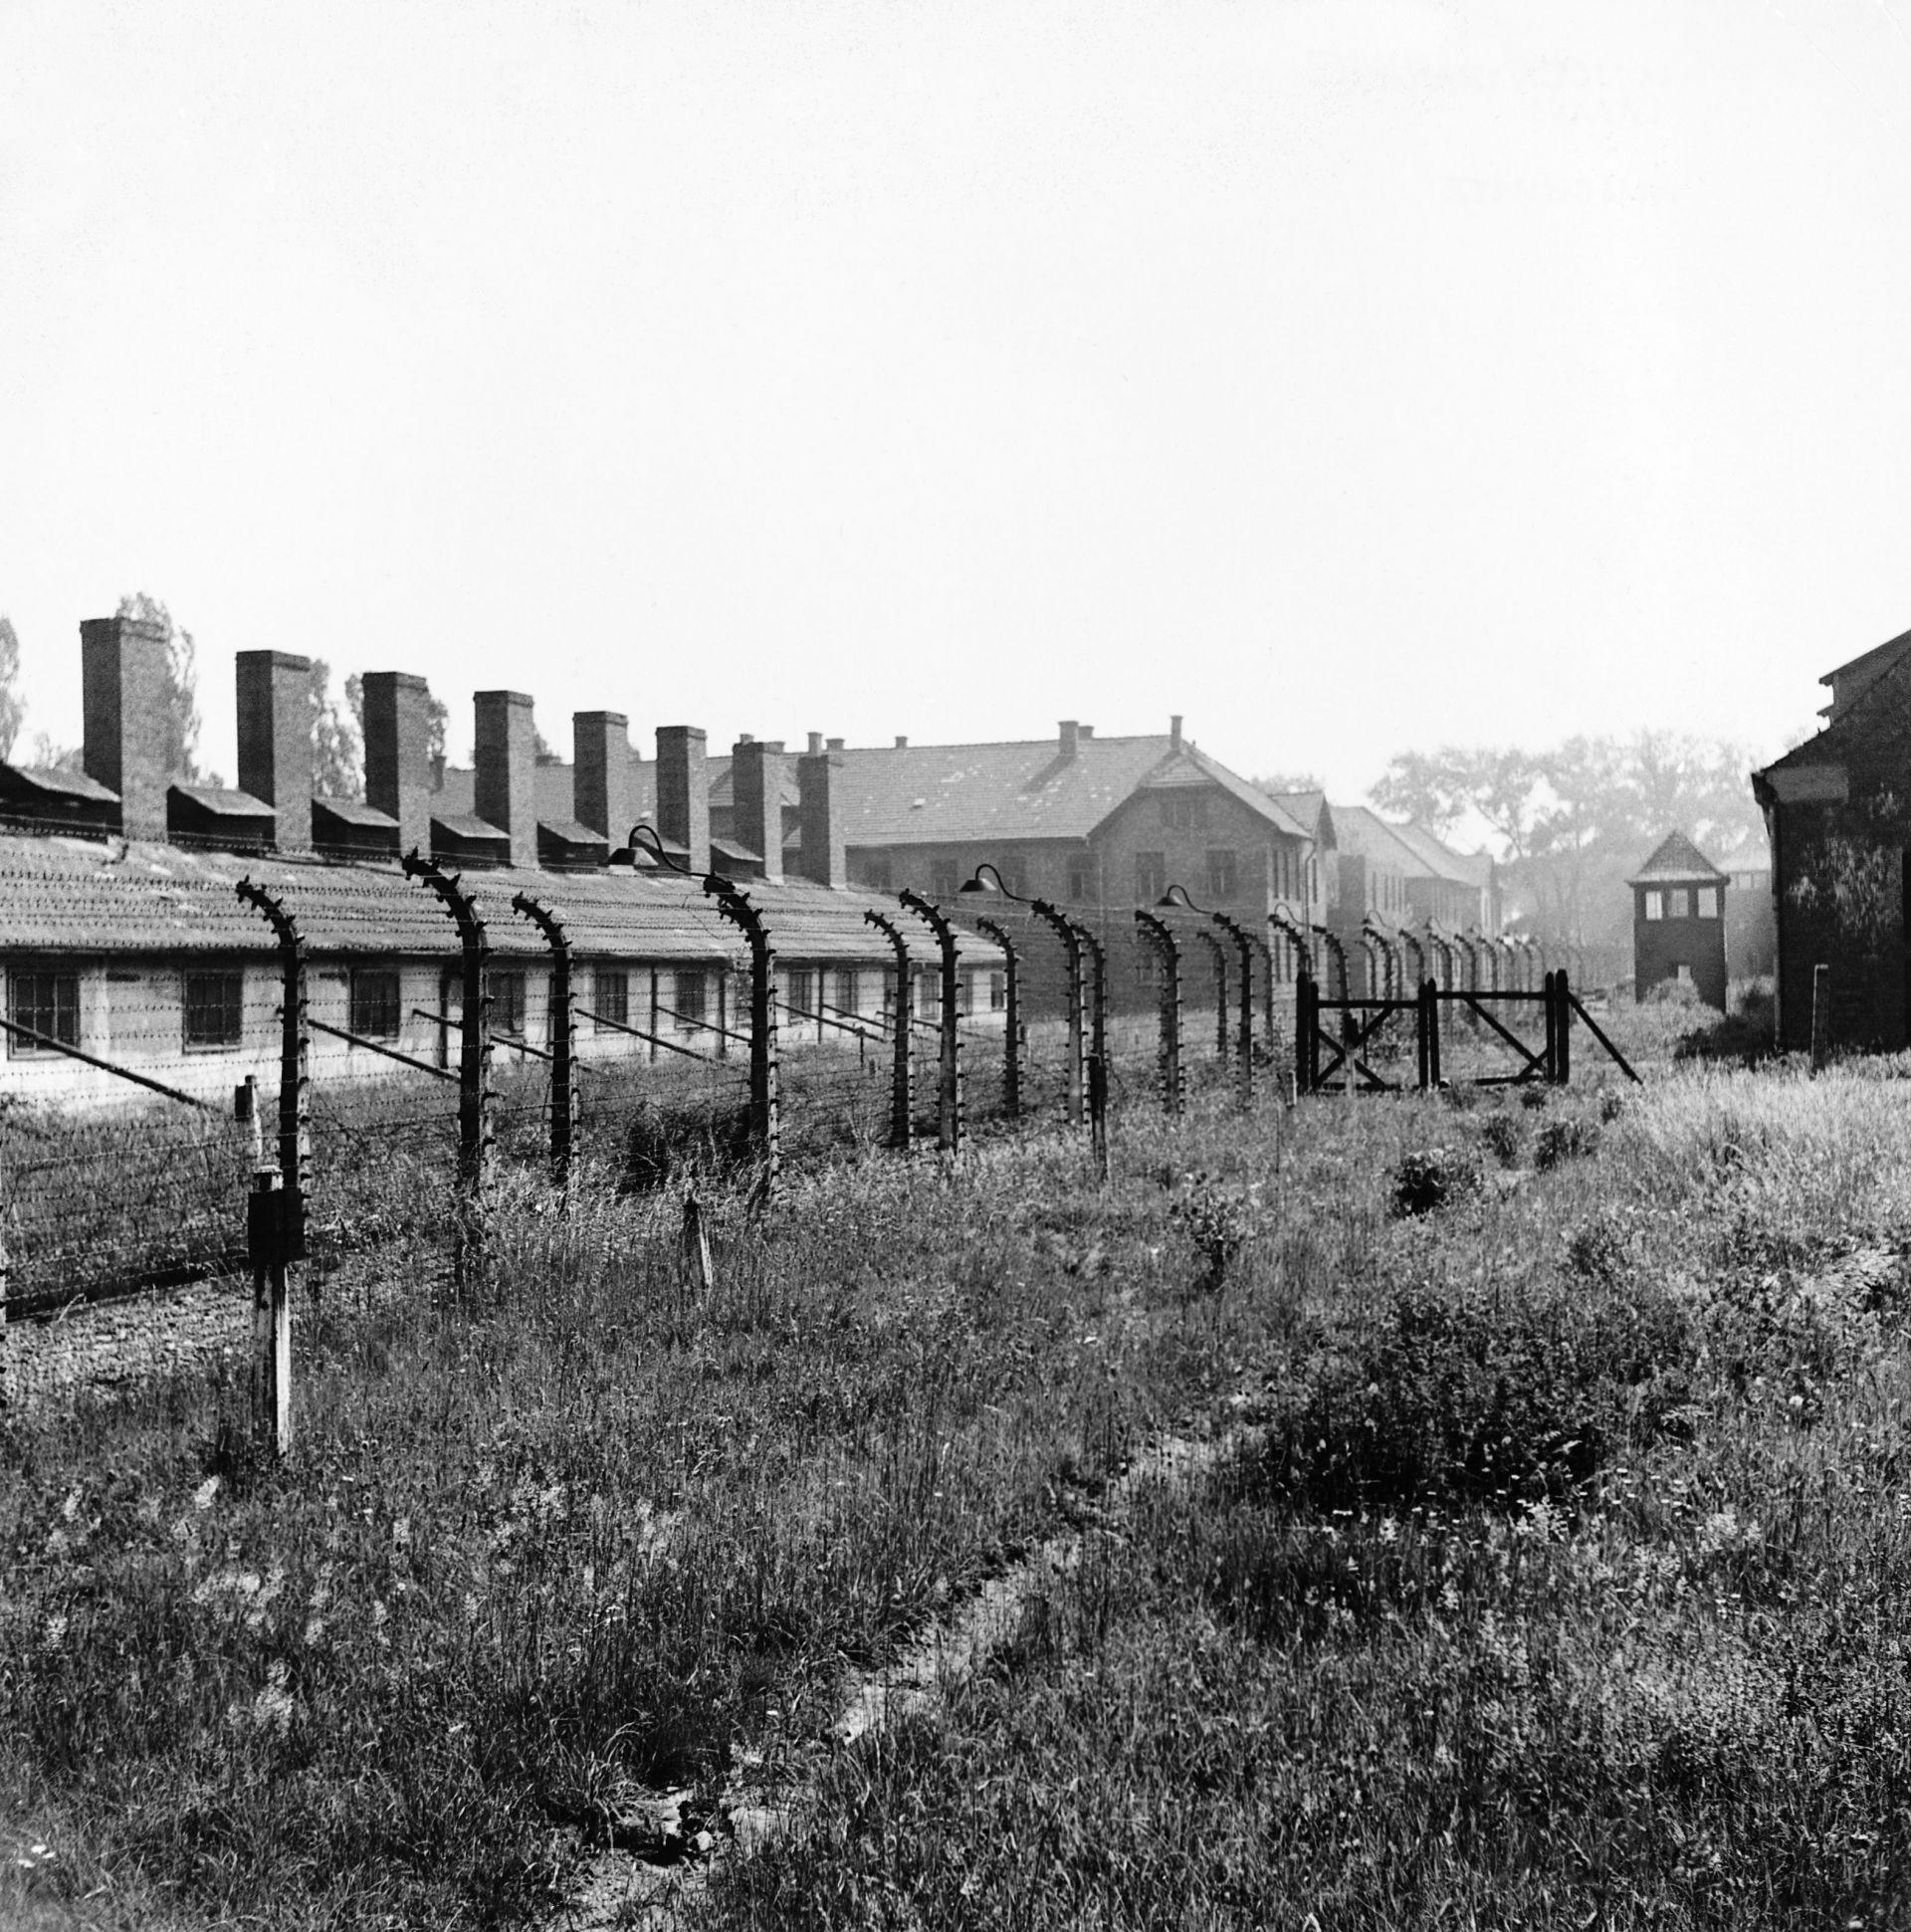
(1345,377)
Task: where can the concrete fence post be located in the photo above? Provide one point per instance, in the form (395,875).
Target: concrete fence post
(948,1083)
(295,1070)
(900,1098)
(1821,1017)
(563,1034)
(1168,955)
(1012,1016)
(474,1056)
(766,1112)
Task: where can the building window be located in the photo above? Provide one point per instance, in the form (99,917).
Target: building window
(944,878)
(1222,878)
(610,998)
(966,992)
(926,999)
(1184,811)
(803,983)
(49,1002)
(374,1003)
(1708,901)
(875,875)
(1081,873)
(1151,877)
(999,993)
(214,1009)
(508,1004)
(1654,904)
(847,990)
(691,998)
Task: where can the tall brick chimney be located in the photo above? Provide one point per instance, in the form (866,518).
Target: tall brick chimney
(505,782)
(122,679)
(756,799)
(817,784)
(274,740)
(1071,736)
(601,772)
(398,753)
(683,791)
(1174,733)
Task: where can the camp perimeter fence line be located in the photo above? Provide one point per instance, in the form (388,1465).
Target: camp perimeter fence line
(1068,1020)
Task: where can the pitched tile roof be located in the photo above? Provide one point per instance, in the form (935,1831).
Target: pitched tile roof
(1676,862)
(63,783)
(1311,811)
(86,896)
(920,794)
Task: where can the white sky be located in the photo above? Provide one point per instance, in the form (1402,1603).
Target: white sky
(1345,377)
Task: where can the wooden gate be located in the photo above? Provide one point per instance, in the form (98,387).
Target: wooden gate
(1334,1038)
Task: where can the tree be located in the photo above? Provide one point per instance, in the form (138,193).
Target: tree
(13,706)
(180,692)
(49,756)
(1278,781)
(338,744)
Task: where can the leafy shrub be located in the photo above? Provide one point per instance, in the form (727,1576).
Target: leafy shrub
(690,1135)
(1431,1178)
(1532,1099)
(1219,1223)
(1741,1037)
(1611,1105)
(1501,1133)
(1450,1397)
(1564,1140)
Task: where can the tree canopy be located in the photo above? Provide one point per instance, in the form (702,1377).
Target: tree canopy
(180,693)
(1571,822)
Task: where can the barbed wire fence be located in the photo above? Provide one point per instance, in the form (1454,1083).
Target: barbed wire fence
(504,1043)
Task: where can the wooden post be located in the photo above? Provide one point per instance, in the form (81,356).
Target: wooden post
(1306,1021)
(1821,1015)
(266,1230)
(1548,1060)
(1433,1033)
(1563,1038)
(1424,1066)
(698,1275)
(1098,1112)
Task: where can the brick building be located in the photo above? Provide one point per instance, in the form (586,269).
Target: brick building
(1837,810)
(122,940)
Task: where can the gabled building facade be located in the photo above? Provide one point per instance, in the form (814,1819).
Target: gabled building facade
(1678,922)
(1838,813)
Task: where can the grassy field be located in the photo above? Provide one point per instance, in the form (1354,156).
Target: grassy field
(1561,1579)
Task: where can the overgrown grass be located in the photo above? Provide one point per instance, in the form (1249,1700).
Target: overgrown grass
(1559,1580)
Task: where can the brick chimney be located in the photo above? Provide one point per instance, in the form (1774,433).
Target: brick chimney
(683,793)
(1071,736)
(1174,733)
(274,740)
(601,772)
(122,678)
(818,777)
(815,742)
(756,797)
(505,791)
(398,753)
